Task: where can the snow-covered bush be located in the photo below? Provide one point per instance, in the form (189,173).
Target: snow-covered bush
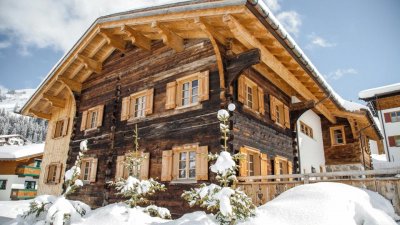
(47,209)
(137,190)
(229,203)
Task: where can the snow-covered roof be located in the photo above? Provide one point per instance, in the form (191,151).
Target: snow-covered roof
(388,89)
(13,152)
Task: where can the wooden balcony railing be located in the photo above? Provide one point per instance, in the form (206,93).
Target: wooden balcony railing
(28,171)
(17,194)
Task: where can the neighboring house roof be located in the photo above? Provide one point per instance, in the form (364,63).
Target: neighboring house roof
(16,152)
(331,104)
(380,91)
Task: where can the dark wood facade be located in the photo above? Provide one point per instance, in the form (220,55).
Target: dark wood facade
(134,70)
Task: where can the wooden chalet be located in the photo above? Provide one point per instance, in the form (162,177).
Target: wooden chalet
(169,69)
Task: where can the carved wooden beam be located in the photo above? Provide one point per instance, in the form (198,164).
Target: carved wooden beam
(89,63)
(247,39)
(297,109)
(75,86)
(137,38)
(112,39)
(56,102)
(170,38)
(40,114)
(236,64)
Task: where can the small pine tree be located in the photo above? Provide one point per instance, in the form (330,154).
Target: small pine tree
(138,190)
(229,203)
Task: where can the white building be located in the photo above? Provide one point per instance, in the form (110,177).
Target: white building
(19,171)
(385,102)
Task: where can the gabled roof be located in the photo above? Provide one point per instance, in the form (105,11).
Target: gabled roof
(245,24)
(18,152)
(380,91)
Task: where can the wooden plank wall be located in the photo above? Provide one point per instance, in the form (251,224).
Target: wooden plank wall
(263,192)
(56,149)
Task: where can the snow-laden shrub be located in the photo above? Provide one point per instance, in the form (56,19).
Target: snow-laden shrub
(52,210)
(229,203)
(47,209)
(156,211)
(137,190)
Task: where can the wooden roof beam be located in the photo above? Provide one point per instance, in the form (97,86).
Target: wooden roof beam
(170,38)
(210,30)
(56,102)
(75,86)
(244,36)
(112,39)
(137,39)
(40,114)
(89,63)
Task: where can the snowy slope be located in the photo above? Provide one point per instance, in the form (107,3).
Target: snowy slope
(10,101)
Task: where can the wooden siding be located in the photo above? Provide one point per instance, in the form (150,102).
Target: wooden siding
(56,149)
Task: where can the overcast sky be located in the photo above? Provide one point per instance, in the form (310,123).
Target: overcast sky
(354,43)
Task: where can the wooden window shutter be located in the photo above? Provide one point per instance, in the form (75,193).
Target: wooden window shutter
(46,174)
(100,115)
(171,95)
(125,108)
(149,101)
(84,118)
(287,117)
(65,127)
(261,106)
(255,98)
(272,102)
(392,141)
(241,89)
(119,170)
(264,164)
(276,166)
(58,173)
(388,118)
(144,167)
(166,168)
(243,163)
(202,163)
(175,165)
(93,170)
(204,86)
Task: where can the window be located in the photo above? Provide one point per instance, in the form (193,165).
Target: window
(254,164)
(92,118)
(31,185)
(282,166)
(305,129)
(37,163)
(53,173)
(395,116)
(188,91)
(185,163)
(3,184)
(88,169)
(394,141)
(251,95)
(337,135)
(279,112)
(137,105)
(122,170)
(60,128)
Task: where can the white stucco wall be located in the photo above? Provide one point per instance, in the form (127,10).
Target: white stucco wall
(13,181)
(391,129)
(311,149)
(373,146)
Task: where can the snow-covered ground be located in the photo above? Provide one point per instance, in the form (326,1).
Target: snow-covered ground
(321,203)
(10,209)
(380,162)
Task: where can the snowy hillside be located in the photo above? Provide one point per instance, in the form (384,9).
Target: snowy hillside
(14,99)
